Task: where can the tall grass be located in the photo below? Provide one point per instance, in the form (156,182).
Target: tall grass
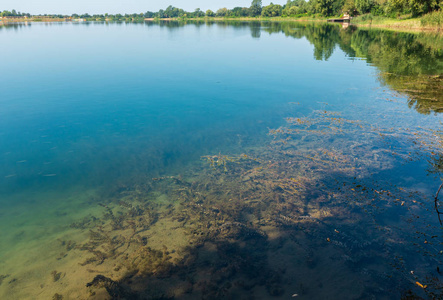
(370,18)
(434,18)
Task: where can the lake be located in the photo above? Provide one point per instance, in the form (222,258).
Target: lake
(220,160)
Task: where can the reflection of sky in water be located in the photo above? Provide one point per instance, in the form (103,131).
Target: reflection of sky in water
(109,105)
(98,99)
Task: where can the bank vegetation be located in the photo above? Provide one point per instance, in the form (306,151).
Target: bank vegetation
(413,14)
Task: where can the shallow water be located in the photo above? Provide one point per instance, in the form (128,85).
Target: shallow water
(219,160)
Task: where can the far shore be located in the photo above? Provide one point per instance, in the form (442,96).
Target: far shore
(412,25)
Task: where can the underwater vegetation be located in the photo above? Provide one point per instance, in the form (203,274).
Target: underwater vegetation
(331,203)
(281,219)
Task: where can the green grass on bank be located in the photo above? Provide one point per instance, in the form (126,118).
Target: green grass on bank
(433,20)
(401,21)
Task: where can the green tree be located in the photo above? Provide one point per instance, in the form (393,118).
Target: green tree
(350,8)
(272,10)
(6,13)
(326,7)
(364,6)
(294,7)
(416,7)
(255,8)
(198,13)
(222,12)
(210,13)
(239,12)
(173,12)
(419,7)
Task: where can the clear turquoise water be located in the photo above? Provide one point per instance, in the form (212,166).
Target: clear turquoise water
(138,89)
(87,107)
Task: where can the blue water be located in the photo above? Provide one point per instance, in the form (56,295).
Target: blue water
(132,91)
(86,108)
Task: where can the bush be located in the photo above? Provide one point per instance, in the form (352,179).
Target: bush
(434,18)
(377,10)
(362,18)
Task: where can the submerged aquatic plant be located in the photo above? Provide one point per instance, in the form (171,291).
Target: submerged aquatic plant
(231,221)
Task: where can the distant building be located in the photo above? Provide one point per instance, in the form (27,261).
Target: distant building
(346,18)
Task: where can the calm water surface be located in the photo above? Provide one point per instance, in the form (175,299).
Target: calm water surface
(219,161)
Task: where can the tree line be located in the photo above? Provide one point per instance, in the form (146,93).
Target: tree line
(292,8)
(13,13)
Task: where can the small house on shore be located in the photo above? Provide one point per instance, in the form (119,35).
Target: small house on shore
(346,18)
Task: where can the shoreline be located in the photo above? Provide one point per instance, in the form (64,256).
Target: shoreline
(397,25)
(412,25)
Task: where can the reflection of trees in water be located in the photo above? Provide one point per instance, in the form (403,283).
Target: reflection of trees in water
(175,23)
(409,63)
(255,29)
(424,91)
(398,53)
(12,26)
(324,37)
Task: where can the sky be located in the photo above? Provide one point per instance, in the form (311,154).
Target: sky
(69,7)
